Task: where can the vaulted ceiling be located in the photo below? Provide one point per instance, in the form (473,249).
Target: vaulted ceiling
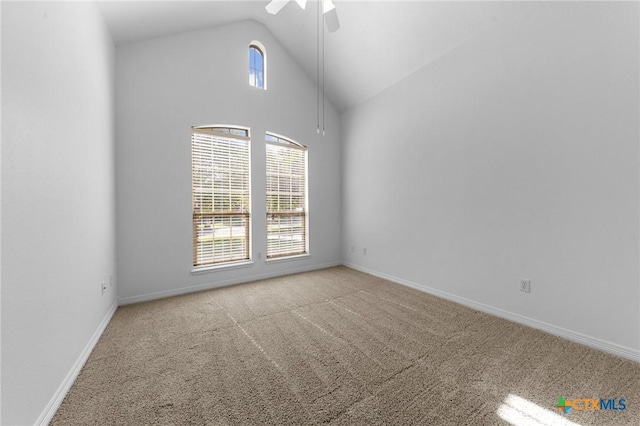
(378,44)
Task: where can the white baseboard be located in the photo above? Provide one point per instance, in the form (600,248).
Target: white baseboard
(55,402)
(592,342)
(245,279)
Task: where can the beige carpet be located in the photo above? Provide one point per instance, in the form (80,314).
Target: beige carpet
(341,347)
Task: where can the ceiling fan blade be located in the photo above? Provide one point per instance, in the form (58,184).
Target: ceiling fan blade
(331,18)
(276,6)
(327,5)
(302,3)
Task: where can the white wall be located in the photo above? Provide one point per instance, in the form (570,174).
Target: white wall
(58,212)
(165,86)
(514,156)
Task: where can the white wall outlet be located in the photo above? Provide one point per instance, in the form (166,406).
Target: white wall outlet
(353,249)
(525,285)
(259,255)
(364,251)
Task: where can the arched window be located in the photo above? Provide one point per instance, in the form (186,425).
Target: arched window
(257,66)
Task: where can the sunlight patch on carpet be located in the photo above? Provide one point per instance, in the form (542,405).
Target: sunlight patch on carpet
(520,412)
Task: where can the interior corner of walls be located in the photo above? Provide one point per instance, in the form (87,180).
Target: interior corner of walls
(53,405)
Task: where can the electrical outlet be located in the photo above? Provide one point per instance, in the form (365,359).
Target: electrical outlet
(353,249)
(525,285)
(364,251)
(259,255)
(102,287)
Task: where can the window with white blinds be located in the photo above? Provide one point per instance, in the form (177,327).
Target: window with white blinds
(220,170)
(287,227)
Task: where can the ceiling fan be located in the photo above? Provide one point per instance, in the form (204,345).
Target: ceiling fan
(328,11)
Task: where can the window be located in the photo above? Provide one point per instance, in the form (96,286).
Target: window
(257,66)
(220,168)
(287,227)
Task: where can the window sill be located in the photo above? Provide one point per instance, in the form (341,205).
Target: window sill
(212,268)
(288,258)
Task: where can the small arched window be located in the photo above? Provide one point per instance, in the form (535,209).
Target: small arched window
(257,66)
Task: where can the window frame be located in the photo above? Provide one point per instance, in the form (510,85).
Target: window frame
(232,133)
(287,143)
(259,47)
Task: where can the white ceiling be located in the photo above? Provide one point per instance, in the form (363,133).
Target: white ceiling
(378,44)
